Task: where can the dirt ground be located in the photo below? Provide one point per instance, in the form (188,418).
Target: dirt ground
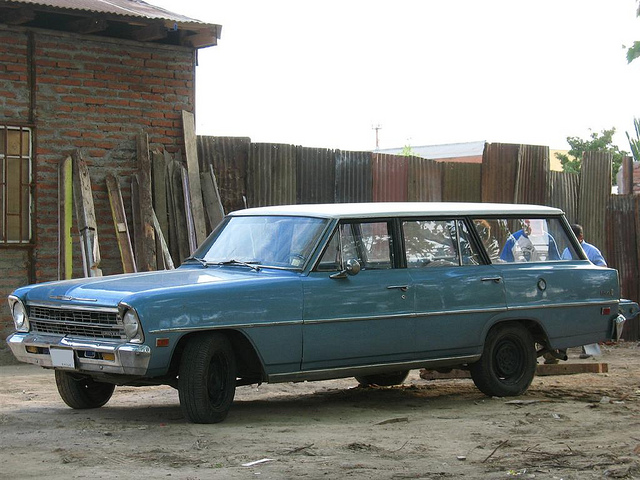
(566,427)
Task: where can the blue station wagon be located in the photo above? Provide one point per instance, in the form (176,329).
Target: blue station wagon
(315,292)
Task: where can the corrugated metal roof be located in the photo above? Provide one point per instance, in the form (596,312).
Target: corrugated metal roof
(126,8)
(449,150)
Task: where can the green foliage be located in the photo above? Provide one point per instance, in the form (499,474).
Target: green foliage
(407,151)
(634,51)
(597,142)
(634,143)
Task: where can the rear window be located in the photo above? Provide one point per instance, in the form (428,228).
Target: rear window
(512,240)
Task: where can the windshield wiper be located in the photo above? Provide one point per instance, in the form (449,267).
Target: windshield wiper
(238,262)
(202,261)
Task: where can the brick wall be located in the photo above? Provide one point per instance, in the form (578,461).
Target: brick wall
(92,94)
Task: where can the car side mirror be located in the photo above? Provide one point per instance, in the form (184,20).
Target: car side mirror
(351,267)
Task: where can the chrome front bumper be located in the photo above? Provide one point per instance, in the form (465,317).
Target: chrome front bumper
(88,355)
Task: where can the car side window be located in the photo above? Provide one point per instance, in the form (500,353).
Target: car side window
(435,243)
(368,242)
(525,240)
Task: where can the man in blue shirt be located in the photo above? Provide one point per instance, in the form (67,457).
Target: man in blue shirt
(530,244)
(593,254)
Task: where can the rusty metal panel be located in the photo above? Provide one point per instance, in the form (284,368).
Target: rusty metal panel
(354,181)
(229,158)
(595,190)
(532,175)
(622,213)
(564,191)
(461,182)
(499,171)
(271,175)
(425,180)
(316,175)
(390,178)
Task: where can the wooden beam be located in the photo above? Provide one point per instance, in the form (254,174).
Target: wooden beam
(135,218)
(186,191)
(147,257)
(178,234)
(541,370)
(120,224)
(191,151)
(571,368)
(65,219)
(18,16)
(150,33)
(211,196)
(88,25)
(163,245)
(158,184)
(86,217)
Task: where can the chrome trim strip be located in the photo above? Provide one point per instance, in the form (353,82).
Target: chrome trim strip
(228,325)
(64,306)
(72,299)
(565,305)
(386,317)
(329,373)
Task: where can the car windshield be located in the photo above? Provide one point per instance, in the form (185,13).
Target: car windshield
(276,241)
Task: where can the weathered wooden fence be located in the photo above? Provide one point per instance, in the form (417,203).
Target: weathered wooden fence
(257,174)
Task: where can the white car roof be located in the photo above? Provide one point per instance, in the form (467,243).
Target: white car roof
(399,209)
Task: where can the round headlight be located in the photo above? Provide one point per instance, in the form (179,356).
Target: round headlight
(20,319)
(132,326)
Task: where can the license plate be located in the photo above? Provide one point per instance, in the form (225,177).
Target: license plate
(62,357)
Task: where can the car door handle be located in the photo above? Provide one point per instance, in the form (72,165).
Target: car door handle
(404,288)
(491,279)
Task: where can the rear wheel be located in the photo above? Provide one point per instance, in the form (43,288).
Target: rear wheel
(207,378)
(508,362)
(80,391)
(383,379)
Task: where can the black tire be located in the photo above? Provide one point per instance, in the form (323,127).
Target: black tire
(81,392)
(508,362)
(207,378)
(383,379)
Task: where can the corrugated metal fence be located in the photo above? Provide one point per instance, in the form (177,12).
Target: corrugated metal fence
(258,174)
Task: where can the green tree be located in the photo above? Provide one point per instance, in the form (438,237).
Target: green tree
(633,52)
(597,142)
(634,143)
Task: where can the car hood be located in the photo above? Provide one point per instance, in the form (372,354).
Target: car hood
(110,290)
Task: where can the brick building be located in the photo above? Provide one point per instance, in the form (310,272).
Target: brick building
(87,75)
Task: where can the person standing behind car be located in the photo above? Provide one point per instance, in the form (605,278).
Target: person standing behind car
(595,257)
(593,254)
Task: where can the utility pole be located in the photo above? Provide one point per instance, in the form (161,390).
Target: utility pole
(377,128)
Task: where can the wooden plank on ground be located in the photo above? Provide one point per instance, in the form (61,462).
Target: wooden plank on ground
(86,217)
(193,168)
(211,196)
(65,216)
(120,224)
(147,257)
(541,370)
(571,368)
(160,202)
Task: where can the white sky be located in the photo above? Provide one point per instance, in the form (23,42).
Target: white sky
(322,74)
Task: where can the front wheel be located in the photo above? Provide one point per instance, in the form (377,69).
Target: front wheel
(81,392)
(383,379)
(508,362)
(207,378)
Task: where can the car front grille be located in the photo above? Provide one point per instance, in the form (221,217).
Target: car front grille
(76,323)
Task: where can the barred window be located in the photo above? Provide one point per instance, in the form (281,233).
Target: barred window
(15,179)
